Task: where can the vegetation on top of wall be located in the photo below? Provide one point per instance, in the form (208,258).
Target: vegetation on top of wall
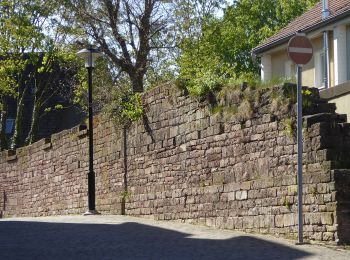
(125,108)
(290,128)
(237,101)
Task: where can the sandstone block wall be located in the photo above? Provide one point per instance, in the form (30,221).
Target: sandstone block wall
(1,200)
(50,176)
(185,163)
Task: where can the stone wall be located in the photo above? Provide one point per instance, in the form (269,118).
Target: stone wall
(1,200)
(50,176)
(185,163)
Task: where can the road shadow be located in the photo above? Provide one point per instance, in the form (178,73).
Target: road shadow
(41,240)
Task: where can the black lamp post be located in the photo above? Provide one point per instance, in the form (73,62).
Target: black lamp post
(90,55)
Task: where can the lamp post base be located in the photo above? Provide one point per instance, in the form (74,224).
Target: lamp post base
(91,212)
(302,243)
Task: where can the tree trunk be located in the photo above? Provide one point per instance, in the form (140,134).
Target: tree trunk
(137,82)
(17,139)
(3,117)
(34,126)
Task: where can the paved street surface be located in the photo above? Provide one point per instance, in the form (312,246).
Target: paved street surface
(123,237)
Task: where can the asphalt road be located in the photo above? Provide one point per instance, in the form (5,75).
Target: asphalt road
(123,237)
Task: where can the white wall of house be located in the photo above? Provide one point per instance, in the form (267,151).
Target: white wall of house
(319,69)
(290,69)
(339,54)
(343,105)
(266,67)
(276,64)
(348,51)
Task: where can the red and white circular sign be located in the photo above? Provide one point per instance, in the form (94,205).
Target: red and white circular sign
(300,49)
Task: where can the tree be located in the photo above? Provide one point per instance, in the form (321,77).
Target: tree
(8,70)
(127,31)
(18,33)
(223,50)
(55,74)
(191,16)
(31,61)
(248,23)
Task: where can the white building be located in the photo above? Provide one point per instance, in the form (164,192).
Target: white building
(327,25)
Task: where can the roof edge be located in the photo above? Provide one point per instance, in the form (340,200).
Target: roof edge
(262,48)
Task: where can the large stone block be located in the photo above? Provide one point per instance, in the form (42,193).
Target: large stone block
(241,195)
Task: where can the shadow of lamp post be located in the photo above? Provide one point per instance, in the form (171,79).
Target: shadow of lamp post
(90,55)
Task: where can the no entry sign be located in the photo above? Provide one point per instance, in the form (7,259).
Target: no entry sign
(300,49)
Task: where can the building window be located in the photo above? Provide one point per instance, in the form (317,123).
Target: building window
(319,70)
(348,50)
(9,126)
(33,90)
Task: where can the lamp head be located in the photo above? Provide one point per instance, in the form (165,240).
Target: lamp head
(89,55)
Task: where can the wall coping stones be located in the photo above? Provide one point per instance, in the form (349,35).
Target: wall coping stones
(11,155)
(47,144)
(325,117)
(82,131)
(336,91)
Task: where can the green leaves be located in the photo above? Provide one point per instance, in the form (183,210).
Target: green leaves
(132,108)
(32,60)
(10,71)
(21,25)
(56,107)
(222,51)
(125,108)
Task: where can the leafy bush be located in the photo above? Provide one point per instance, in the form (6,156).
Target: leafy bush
(125,108)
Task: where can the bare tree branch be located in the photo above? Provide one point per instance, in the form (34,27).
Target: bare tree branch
(124,30)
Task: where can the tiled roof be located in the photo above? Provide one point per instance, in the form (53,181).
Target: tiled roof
(309,21)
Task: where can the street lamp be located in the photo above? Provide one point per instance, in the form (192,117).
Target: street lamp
(90,55)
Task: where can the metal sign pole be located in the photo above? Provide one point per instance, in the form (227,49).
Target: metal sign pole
(300,156)
(300,51)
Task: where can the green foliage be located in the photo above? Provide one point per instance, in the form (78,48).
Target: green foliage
(20,25)
(257,175)
(134,36)
(201,68)
(103,86)
(290,127)
(222,52)
(314,191)
(286,203)
(245,111)
(125,195)
(34,59)
(10,69)
(217,109)
(228,112)
(306,92)
(271,83)
(132,107)
(237,104)
(307,98)
(56,107)
(125,108)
